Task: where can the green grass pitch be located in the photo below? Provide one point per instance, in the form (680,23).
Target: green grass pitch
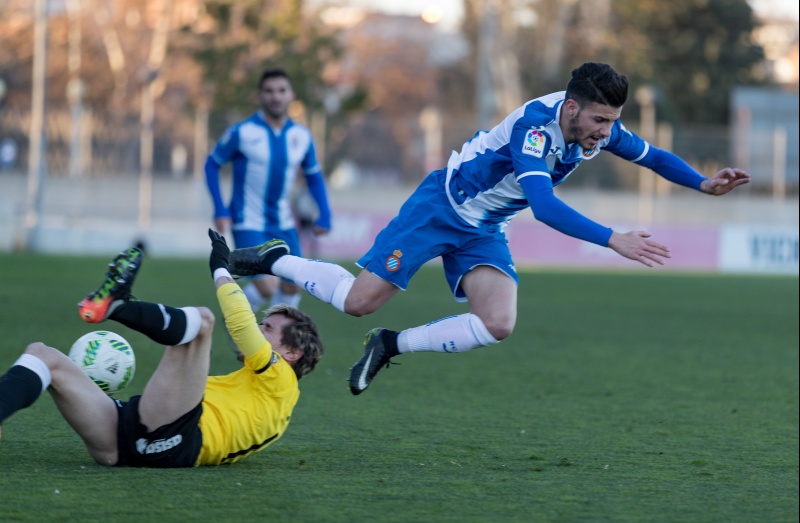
(621,396)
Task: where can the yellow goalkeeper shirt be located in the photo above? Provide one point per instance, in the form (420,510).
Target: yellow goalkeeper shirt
(250,408)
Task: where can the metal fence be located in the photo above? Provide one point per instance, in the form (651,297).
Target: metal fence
(394,151)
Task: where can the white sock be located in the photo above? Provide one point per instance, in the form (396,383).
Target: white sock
(452,334)
(29,361)
(254,296)
(193,323)
(325,281)
(279,298)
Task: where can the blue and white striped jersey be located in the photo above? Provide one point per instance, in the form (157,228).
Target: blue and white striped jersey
(482,180)
(265,165)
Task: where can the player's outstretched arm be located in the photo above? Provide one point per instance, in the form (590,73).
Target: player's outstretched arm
(635,246)
(725,181)
(239,318)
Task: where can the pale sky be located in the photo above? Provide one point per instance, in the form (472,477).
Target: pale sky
(788,8)
(451,10)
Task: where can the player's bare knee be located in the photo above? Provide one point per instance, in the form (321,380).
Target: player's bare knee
(45,353)
(499,328)
(36,348)
(353,311)
(358,307)
(107,459)
(208,319)
(51,357)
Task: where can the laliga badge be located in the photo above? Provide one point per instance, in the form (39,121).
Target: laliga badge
(393,261)
(534,143)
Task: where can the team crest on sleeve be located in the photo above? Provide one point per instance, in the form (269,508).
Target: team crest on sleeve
(534,143)
(393,261)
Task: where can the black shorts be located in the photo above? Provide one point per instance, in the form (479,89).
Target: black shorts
(176,444)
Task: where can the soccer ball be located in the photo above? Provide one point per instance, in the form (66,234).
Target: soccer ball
(106,358)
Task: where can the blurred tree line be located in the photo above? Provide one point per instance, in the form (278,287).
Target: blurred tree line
(207,61)
(371,74)
(692,51)
(242,38)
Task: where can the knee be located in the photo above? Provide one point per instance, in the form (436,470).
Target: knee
(50,356)
(42,351)
(37,349)
(208,319)
(499,327)
(358,306)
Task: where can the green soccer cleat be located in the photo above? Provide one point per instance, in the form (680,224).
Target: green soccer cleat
(115,289)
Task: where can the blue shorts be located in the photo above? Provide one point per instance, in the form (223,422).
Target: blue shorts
(252,238)
(427,227)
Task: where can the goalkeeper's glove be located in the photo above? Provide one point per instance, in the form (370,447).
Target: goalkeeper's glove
(220,252)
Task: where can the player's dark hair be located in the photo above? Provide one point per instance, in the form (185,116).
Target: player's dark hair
(273,73)
(301,334)
(594,82)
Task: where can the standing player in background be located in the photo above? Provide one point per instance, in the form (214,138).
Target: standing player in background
(266,151)
(460,212)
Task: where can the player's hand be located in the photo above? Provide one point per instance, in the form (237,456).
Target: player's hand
(323,225)
(320,231)
(222,224)
(725,181)
(635,246)
(220,252)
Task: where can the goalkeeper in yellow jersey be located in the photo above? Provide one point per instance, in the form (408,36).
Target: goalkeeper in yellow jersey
(184,417)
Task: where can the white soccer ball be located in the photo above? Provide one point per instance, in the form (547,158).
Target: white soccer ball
(105,357)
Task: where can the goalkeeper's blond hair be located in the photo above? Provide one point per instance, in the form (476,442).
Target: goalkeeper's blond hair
(301,334)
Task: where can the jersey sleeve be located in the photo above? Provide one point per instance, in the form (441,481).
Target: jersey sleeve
(551,211)
(223,152)
(211,169)
(528,148)
(227,146)
(309,163)
(626,144)
(316,186)
(243,328)
(670,166)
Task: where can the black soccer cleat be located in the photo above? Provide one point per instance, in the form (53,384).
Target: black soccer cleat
(252,261)
(380,346)
(115,289)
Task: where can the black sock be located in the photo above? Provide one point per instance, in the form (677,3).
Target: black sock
(19,388)
(390,342)
(162,324)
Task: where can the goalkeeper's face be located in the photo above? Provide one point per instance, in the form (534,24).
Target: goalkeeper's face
(272,328)
(275,96)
